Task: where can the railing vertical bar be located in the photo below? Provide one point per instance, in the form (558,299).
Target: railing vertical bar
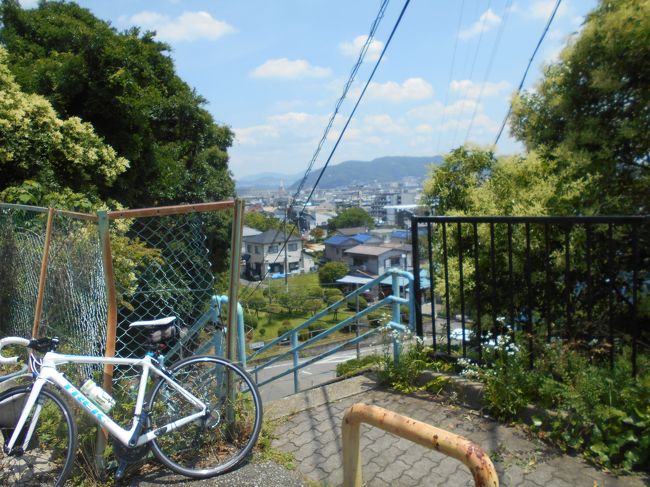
(417,284)
(294,346)
(462,287)
(635,291)
(446,264)
(590,290)
(493,281)
(511,280)
(477,273)
(611,290)
(547,285)
(529,286)
(567,281)
(431,286)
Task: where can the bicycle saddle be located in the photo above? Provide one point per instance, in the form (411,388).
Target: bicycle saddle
(158,330)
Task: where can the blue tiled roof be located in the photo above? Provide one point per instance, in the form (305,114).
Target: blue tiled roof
(362,237)
(404,234)
(341,239)
(336,240)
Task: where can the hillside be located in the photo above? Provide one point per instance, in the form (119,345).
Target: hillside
(382,169)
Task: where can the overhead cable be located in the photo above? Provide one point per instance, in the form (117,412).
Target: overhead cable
(348,84)
(530,62)
(495,48)
(451,74)
(471,72)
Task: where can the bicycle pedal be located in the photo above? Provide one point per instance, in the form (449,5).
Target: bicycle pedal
(121,470)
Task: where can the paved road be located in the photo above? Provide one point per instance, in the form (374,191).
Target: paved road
(310,376)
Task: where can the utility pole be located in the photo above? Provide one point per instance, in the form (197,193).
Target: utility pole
(286,259)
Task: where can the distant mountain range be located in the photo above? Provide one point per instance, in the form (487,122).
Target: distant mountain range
(381,170)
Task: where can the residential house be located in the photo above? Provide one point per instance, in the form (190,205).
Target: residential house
(336,246)
(374,259)
(266,254)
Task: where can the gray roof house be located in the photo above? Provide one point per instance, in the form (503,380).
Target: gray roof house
(266,255)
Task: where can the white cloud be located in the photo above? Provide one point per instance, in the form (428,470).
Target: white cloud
(353,48)
(486,21)
(436,109)
(542,9)
(411,89)
(189,26)
(255,135)
(382,123)
(289,125)
(470,89)
(289,69)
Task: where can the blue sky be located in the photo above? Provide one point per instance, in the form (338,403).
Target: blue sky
(273,70)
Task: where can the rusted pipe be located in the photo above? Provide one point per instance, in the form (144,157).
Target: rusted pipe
(450,444)
(171,210)
(43,275)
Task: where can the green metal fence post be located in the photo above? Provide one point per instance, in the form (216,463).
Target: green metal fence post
(396,316)
(294,346)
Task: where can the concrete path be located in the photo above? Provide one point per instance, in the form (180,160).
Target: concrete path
(313,436)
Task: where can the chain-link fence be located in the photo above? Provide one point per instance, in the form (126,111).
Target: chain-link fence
(22,237)
(159,266)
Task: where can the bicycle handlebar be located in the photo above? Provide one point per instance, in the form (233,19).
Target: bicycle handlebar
(11,341)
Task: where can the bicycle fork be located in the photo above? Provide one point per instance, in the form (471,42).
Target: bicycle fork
(33,400)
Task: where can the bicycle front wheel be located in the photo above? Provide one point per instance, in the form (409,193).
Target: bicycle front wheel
(49,455)
(222,439)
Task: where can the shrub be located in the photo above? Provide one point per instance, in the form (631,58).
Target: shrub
(352,303)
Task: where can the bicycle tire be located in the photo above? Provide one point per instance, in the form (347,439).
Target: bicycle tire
(218,443)
(49,457)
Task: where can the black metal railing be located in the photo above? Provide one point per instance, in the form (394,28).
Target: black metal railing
(578,279)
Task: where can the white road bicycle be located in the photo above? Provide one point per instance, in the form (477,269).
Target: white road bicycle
(201,416)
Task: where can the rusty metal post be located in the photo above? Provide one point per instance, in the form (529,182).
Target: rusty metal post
(235,271)
(450,444)
(43,276)
(111,323)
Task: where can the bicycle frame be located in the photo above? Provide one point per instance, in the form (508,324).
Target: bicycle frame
(131,437)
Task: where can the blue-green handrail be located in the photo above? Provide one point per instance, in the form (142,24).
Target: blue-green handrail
(394,299)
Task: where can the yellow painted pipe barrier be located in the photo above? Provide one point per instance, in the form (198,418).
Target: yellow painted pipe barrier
(450,444)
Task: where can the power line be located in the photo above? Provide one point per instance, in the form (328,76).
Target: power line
(353,73)
(451,74)
(530,62)
(356,105)
(495,47)
(346,88)
(471,72)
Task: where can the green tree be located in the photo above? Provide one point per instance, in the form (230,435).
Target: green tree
(448,189)
(332,295)
(330,272)
(351,217)
(123,84)
(45,159)
(318,234)
(261,222)
(589,114)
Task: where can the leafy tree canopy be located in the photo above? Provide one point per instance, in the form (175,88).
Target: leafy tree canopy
(123,84)
(351,217)
(46,160)
(330,272)
(591,108)
(261,222)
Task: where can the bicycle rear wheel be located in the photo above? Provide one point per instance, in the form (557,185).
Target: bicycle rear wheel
(49,456)
(220,441)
